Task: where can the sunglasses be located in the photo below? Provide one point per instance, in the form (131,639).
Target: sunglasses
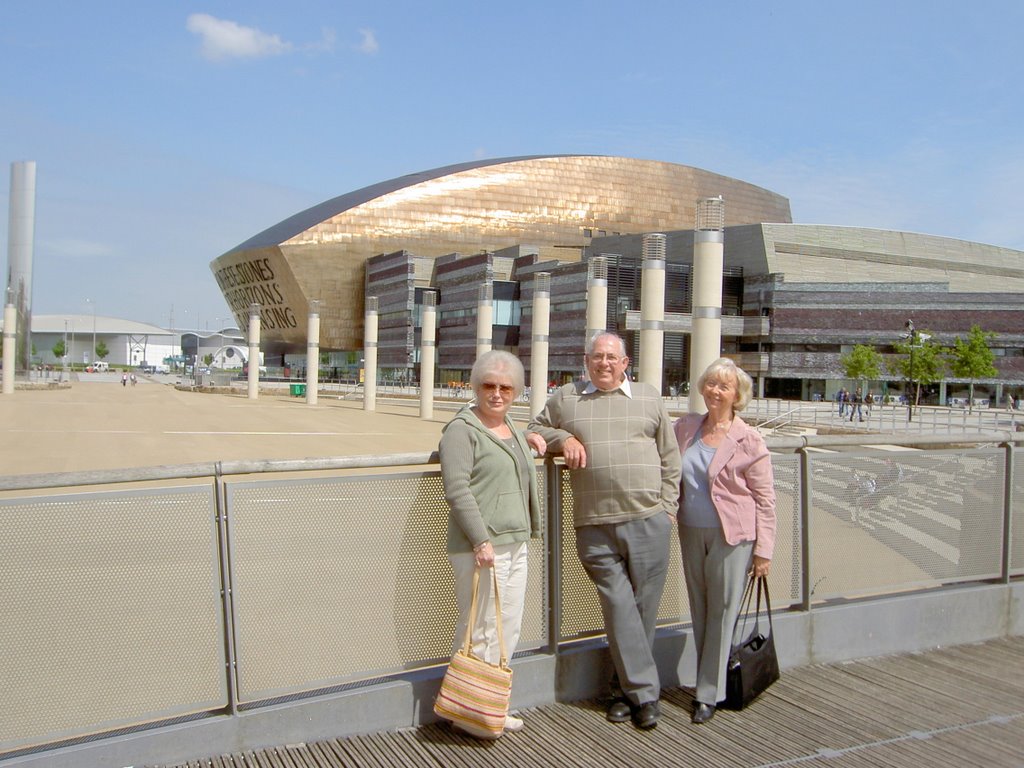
(506,390)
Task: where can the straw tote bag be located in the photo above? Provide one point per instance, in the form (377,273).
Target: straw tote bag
(475,694)
(753,664)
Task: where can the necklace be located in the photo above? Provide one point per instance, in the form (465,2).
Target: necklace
(721,426)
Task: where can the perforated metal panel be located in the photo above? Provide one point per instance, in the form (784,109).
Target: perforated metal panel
(787,560)
(1017,514)
(340,579)
(889,521)
(110,612)
(581,610)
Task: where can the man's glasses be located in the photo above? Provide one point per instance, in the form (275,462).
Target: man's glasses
(599,358)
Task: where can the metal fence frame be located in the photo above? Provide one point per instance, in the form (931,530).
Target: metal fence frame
(557,665)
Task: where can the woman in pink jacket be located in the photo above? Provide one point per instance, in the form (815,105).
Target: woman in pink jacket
(726,520)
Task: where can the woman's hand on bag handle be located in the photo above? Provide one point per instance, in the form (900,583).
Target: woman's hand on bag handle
(484,554)
(761,566)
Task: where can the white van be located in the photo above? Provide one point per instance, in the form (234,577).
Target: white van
(101,366)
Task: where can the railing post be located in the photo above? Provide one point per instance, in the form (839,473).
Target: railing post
(553,552)
(802,575)
(227,595)
(1004,577)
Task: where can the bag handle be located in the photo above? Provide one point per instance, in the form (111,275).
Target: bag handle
(497,613)
(748,595)
(762,581)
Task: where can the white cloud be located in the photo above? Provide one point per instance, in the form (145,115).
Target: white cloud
(325,44)
(369,43)
(224,39)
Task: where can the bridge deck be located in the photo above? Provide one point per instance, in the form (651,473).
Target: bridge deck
(957,706)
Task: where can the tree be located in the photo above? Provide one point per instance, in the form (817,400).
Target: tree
(58,349)
(972,359)
(101,349)
(207,359)
(863,363)
(921,361)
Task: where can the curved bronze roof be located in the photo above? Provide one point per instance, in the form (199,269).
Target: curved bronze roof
(552,203)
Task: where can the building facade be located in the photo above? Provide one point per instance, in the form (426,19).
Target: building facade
(553,205)
(795,297)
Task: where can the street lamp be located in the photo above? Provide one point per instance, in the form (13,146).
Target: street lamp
(911,335)
(915,338)
(92,360)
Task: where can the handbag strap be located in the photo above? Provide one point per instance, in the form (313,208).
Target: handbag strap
(762,581)
(744,614)
(497,615)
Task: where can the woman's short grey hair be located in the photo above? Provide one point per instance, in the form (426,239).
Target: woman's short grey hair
(724,368)
(497,361)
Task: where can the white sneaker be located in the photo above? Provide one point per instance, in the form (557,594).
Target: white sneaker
(513,724)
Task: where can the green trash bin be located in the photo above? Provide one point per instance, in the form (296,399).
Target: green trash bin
(298,390)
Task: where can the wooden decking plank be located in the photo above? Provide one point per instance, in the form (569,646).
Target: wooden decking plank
(959,706)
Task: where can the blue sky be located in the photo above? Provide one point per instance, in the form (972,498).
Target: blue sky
(166,133)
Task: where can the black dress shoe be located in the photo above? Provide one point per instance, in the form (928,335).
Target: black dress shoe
(702,712)
(646,715)
(619,711)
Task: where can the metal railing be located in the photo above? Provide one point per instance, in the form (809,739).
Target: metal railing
(168,594)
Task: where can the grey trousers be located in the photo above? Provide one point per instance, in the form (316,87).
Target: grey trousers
(716,574)
(628,563)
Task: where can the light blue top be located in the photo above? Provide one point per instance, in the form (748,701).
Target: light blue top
(698,509)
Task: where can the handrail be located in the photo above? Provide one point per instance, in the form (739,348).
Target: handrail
(799,409)
(257,466)
(210,469)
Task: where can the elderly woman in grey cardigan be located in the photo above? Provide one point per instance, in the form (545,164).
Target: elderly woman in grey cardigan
(491,487)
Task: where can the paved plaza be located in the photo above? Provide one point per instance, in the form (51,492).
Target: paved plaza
(97,423)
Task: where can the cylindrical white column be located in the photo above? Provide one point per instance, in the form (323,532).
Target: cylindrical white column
(485,319)
(597,296)
(20,238)
(10,340)
(652,311)
(313,353)
(539,342)
(428,350)
(254,351)
(708,262)
(370,324)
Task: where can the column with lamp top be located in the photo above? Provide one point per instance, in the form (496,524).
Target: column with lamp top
(313,352)
(428,350)
(708,262)
(370,325)
(254,351)
(652,311)
(10,343)
(539,341)
(485,319)
(597,296)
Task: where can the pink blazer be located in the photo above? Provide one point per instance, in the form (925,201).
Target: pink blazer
(742,484)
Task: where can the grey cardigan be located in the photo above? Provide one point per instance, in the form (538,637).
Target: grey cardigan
(482,485)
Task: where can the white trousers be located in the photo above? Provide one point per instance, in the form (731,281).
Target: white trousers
(510,563)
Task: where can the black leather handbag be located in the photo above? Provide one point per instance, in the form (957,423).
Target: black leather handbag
(753,665)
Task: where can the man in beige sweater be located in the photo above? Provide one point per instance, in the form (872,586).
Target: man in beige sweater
(616,437)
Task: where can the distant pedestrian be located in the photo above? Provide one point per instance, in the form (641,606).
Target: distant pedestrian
(855,406)
(124,379)
(134,380)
